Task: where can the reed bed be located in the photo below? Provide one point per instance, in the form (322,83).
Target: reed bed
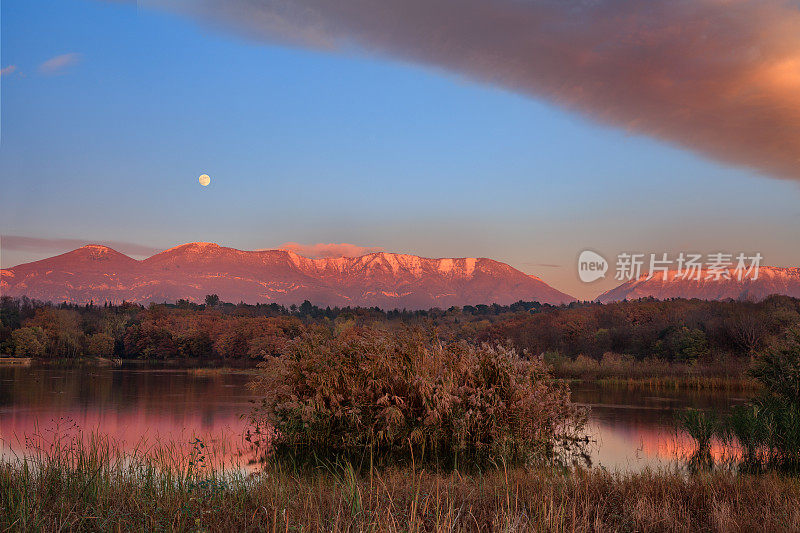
(91,484)
(622,371)
(696,383)
(217,371)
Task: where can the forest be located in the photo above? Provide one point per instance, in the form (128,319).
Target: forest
(672,331)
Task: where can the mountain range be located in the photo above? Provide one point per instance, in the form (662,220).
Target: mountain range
(387,280)
(191,271)
(770,280)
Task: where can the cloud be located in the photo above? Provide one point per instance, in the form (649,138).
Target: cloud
(718,77)
(322,250)
(7,71)
(59,64)
(548,265)
(37,244)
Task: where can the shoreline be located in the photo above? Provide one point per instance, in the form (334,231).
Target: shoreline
(189,363)
(678,380)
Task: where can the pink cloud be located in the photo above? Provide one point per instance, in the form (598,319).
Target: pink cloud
(322,250)
(718,77)
(6,71)
(59,64)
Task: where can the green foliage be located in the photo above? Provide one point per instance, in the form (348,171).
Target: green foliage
(746,424)
(29,342)
(778,368)
(367,391)
(689,344)
(702,427)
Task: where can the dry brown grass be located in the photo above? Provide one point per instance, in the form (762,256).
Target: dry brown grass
(214,372)
(615,370)
(93,490)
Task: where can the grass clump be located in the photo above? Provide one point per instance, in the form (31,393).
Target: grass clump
(397,396)
(702,426)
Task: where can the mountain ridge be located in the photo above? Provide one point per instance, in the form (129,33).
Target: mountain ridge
(771,280)
(190,271)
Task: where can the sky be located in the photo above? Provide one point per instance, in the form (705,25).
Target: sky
(521,131)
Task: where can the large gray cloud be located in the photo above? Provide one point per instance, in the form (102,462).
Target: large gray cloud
(720,77)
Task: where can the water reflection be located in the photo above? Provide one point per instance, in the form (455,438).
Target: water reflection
(633,429)
(132,406)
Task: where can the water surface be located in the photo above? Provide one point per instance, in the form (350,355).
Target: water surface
(633,429)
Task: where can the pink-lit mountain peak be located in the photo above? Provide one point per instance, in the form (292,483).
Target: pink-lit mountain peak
(88,256)
(96,252)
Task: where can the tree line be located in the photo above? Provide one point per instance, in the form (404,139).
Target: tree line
(673,330)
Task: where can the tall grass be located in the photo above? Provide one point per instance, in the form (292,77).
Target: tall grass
(702,427)
(92,485)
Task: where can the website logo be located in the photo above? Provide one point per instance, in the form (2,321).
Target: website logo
(591,266)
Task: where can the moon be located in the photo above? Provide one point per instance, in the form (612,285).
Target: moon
(204,180)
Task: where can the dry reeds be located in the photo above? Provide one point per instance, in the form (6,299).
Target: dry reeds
(622,371)
(390,395)
(96,487)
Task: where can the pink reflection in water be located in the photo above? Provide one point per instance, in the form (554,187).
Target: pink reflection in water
(633,430)
(136,409)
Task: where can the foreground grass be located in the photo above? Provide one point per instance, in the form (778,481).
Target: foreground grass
(94,487)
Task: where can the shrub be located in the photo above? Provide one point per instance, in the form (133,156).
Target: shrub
(778,368)
(396,394)
(689,344)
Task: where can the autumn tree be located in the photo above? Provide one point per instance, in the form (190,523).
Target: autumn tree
(100,344)
(29,342)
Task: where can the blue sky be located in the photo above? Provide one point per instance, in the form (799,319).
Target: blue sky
(314,146)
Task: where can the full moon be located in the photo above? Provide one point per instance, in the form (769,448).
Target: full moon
(204,180)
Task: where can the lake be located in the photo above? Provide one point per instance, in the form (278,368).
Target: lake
(633,429)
